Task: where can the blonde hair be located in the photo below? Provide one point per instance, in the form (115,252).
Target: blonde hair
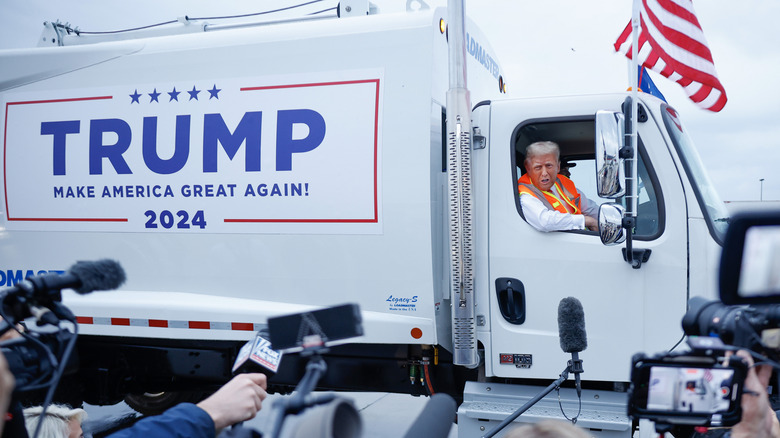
(55,424)
(542,148)
(548,429)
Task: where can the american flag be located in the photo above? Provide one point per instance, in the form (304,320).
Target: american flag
(672,43)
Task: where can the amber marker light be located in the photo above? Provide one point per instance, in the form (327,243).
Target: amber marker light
(442,25)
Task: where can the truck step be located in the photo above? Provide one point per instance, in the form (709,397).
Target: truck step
(486,405)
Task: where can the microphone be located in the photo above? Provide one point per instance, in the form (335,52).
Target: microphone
(571,331)
(436,418)
(83,277)
(39,295)
(257,355)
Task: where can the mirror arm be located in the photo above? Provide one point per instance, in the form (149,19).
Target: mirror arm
(635,257)
(628,254)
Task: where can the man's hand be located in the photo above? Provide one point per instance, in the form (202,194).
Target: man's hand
(591,223)
(10,332)
(238,400)
(758,418)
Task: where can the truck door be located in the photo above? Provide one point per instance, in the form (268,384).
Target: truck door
(626,310)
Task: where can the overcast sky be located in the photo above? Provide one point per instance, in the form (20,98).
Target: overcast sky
(550,47)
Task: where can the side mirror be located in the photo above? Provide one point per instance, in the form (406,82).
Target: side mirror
(610,135)
(611,224)
(750,261)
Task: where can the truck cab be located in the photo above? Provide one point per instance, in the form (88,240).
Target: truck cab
(680,226)
(576,262)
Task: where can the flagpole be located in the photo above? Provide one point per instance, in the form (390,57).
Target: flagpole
(629,218)
(634,82)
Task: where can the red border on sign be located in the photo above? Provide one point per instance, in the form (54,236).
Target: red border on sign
(5,158)
(374,219)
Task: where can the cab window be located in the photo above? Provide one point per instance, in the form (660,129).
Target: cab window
(576,139)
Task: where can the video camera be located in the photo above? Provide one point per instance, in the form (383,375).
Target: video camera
(703,387)
(33,359)
(698,388)
(41,352)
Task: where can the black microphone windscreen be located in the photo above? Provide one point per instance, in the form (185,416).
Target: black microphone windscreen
(99,275)
(571,325)
(436,418)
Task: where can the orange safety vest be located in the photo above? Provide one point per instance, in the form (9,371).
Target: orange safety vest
(571,197)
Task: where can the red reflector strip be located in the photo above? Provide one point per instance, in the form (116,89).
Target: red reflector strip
(172,324)
(245,326)
(200,325)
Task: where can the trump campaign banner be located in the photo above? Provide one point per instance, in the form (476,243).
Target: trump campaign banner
(265,155)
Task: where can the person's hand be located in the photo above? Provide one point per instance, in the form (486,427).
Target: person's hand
(10,332)
(591,223)
(758,418)
(238,400)
(7,384)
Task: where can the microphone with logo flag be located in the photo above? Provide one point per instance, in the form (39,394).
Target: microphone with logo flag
(257,355)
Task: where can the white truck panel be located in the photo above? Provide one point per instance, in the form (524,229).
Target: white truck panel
(333,226)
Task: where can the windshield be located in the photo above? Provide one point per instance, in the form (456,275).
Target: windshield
(715,212)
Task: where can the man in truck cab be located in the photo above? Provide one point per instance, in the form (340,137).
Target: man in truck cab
(549,200)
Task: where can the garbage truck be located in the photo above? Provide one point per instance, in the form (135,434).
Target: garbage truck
(239,172)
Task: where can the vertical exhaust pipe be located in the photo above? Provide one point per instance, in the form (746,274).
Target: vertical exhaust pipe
(459,191)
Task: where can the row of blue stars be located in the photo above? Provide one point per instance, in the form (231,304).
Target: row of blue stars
(154,96)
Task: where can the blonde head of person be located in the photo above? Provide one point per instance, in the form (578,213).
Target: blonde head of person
(60,421)
(548,429)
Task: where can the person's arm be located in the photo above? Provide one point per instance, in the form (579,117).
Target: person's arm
(591,211)
(589,207)
(758,418)
(544,219)
(238,400)
(591,223)
(184,420)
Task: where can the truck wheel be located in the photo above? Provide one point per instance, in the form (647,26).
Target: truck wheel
(157,403)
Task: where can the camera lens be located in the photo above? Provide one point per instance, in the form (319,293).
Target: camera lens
(710,318)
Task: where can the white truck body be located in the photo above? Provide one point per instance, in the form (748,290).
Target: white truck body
(253,172)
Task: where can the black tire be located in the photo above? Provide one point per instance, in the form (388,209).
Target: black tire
(155,404)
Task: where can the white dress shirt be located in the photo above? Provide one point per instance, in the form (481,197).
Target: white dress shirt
(544,219)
